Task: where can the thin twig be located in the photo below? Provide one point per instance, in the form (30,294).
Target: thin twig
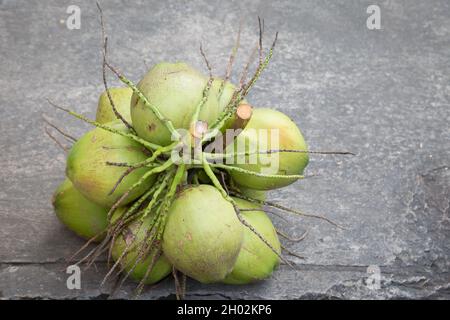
(249,153)
(143,142)
(208,170)
(208,65)
(65,134)
(231,60)
(167,122)
(177,283)
(59,144)
(105,83)
(284,235)
(292,253)
(297,212)
(246,68)
(261,31)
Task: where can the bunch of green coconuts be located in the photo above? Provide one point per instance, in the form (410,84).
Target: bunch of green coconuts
(153,213)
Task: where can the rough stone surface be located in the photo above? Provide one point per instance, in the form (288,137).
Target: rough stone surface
(384,94)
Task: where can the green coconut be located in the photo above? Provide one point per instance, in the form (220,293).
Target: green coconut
(175,89)
(84,217)
(88,170)
(281,163)
(256,261)
(121,98)
(132,239)
(202,236)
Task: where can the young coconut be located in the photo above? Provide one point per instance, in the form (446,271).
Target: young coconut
(127,247)
(256,261)
(202,237)
(267,122)
(89,171)
(176,89)
(121,98)
(86,218)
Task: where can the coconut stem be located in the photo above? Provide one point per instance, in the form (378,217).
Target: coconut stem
(110,231)
(245,89)
(122,256)
(143,252)
(292,253)
(248,153)
(167,123)
(59,144)
(287,237)
(144,163)
(83,247)
(161,183)
(105,83)
(146,248)
(131,85)
(154,199)
(180,289)
(149,173)
(261,67)
(120,227)
(205,94)
(239,120)
(231,60)
(143,142)
(136,205)
(297,212)
(256,174)
(226,196)
(69,137)
(160,218)
(141,284)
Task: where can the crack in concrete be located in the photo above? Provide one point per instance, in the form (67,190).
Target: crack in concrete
(296,267)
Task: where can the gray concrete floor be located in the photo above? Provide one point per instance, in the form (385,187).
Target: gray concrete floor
(384,94)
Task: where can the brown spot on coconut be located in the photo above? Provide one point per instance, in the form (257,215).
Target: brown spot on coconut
(151,127)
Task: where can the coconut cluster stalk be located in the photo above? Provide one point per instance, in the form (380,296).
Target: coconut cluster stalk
(150,209)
